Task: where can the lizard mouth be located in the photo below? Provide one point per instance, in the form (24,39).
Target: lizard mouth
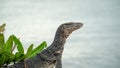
(75,25)
(68,28)
(78,25)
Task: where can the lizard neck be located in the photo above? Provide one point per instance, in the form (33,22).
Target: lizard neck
(59,40)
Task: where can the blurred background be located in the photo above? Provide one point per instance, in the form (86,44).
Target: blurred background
(96,45)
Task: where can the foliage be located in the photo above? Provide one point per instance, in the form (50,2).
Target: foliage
(6,49)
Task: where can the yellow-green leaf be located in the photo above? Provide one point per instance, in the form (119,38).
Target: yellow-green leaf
(8,45)
(38,49)
(18,44)
(29,51)
(1,42)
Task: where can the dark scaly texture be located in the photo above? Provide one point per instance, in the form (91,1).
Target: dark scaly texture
(51,56)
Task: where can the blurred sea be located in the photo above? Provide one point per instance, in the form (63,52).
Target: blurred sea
(96,45)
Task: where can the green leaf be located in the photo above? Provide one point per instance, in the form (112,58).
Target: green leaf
(2,59)
(10,58)
(29,51)
(5,57)
(2,42)
(38,49)
(18,56)
(8,45)
(18,44)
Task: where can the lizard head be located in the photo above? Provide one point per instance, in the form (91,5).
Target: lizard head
(67,28)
